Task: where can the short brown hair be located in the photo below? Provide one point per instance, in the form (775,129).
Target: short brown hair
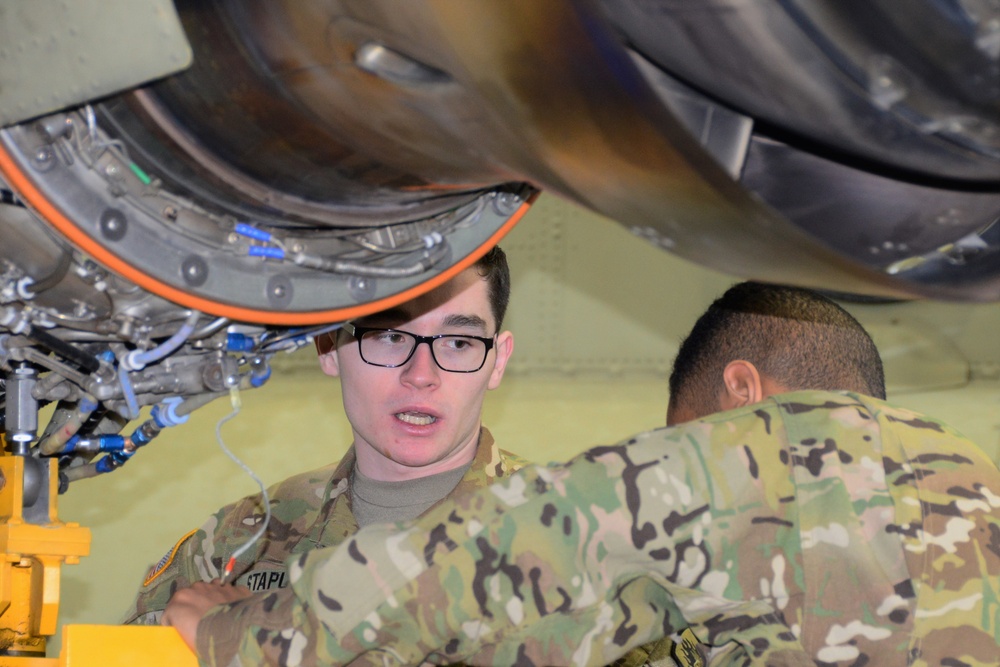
(494,269)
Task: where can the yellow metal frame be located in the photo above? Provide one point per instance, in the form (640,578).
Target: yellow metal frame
(114,646)
(31,555)
(121,646)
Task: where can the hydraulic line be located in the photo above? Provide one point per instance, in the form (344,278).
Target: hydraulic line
(127,391)
(120,449)
(210,328)
(55,442)
(434,255)
(136,360)
(434,244)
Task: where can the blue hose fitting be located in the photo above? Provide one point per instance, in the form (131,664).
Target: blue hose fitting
(243,229)
(266,251)
(237,342)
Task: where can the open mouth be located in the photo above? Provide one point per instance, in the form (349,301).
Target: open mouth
(416,418)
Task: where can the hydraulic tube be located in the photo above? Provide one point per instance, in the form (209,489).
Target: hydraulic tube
(57,440)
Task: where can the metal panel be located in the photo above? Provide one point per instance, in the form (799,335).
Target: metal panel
(60,53)
(589,298)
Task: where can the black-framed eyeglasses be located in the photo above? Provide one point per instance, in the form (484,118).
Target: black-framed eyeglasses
(391,348)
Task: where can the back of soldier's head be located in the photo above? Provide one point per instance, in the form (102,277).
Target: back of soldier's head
(796,337)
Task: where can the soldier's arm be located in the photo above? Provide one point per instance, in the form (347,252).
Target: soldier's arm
(556,564)
(497,553)
(193,558)
(189,605)
(202,554)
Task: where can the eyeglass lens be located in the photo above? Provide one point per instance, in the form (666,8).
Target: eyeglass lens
(452,353)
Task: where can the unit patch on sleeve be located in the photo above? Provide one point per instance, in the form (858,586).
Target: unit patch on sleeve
(167,559)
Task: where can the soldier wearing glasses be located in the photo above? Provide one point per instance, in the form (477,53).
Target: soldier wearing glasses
(806,524)
(413,380)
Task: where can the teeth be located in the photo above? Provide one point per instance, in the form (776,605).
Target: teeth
(415,418)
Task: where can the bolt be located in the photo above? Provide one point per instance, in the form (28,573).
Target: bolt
(280,291)
(506,203)
(44,158)
(113,224)
(194,271)
(361,288)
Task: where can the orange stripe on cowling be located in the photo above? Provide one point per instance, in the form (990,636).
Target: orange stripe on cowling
(34,198)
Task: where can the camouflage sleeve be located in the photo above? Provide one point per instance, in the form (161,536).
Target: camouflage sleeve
(202,554)
(197,556)
(160,583)
(557,565)
(818,529)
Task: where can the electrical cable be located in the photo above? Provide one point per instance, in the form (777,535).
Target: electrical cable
(293,339)
(234,396)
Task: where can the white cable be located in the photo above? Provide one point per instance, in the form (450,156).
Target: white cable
(234,397)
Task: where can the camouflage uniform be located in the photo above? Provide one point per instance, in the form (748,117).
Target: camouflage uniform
(813,528)
(309,511)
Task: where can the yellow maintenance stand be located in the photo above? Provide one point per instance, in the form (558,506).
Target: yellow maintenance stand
(33,546)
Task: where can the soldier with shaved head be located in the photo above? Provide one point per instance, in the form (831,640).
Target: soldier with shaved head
(757,340)
(799,526)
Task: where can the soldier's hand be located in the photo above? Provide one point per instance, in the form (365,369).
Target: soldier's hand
(188,605)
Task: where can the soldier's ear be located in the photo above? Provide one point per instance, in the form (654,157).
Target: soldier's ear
(326,348)
(504,348)
(742,385)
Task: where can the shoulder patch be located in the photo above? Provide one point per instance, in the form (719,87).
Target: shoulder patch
(167,559)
